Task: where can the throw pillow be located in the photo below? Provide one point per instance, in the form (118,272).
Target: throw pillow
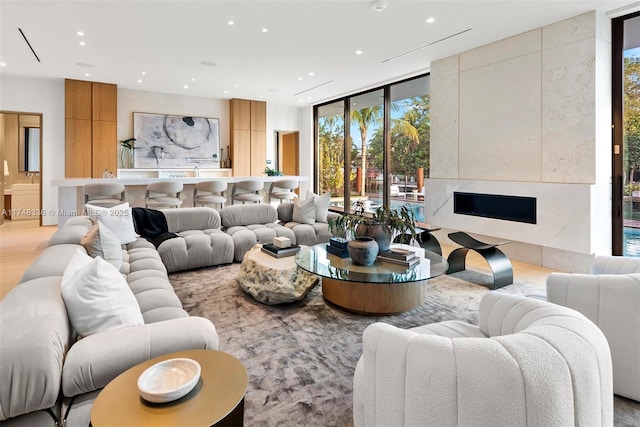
(322,205)
(118,219)
(100,241)
(304,211)
(97,296)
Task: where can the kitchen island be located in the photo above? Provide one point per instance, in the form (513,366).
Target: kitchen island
(71,194)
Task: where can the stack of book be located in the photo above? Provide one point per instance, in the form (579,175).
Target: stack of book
(275,251)
(404,257)
(338,247)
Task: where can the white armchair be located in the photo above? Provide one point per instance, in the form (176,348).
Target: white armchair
(610,298)
(528,362)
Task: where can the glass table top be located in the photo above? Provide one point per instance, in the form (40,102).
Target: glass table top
(316,260)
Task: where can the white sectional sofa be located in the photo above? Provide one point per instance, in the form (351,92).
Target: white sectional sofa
(47,373)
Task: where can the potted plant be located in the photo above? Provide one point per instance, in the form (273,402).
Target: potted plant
(272,172)
(383,224)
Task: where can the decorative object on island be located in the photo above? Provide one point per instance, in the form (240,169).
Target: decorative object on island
(169,141)
(272,172)
(382,224)
(363,250)
(126,153)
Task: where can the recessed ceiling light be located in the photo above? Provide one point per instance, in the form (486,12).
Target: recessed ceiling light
(264,30)
(87,74)
(311,73)
(299,78)
(300,100)
(139,81)
(359,52)
(185,86)
(237,85)
(430,20)
(226,91)
(208,63)
(193,80)
(3,64)
(379,5)
(81,43)
(259,96)
(80,33)
(231,23)
(144,73)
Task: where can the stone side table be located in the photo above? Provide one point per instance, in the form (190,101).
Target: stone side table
(273,280)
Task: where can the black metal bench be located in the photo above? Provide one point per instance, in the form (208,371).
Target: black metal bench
(497,260)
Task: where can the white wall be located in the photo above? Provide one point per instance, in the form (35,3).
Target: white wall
(44,96)
(288,118)
(529,116)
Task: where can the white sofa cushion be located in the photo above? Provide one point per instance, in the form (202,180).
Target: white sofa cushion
(117,218)
(322,203)
(101,242)
(97,296)
(304,211)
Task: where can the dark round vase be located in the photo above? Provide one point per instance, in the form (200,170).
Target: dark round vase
(363,250)
(379,231)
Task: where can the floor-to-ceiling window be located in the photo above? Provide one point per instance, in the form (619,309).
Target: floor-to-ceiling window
(384,156)
(330,155)
(626,135)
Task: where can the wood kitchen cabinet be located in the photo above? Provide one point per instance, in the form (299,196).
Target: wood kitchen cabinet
(248,125)
(91,144)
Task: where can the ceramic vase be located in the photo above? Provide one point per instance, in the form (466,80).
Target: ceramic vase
(379,231)
(363,250)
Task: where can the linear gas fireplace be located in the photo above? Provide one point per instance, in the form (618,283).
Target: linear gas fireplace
(509,208)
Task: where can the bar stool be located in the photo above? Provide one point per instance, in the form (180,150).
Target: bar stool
(247,191)
(164,194)
(283,190)
(103,194)
(210,193)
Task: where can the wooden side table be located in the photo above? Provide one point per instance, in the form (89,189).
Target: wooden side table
(217,399)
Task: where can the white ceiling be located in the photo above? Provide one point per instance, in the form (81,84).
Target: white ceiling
(169,40)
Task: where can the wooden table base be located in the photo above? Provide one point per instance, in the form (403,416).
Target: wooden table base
(374,298)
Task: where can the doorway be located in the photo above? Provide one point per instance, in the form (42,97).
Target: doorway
(288,152)
(21,155)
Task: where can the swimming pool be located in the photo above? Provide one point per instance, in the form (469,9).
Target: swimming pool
(418,209)
(631,241)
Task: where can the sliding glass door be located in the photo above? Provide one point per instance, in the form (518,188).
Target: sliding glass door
(374,146)
(626,135)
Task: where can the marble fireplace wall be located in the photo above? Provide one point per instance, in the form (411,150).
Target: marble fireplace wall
(529,116)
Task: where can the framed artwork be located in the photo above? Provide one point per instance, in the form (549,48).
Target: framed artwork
(170,141)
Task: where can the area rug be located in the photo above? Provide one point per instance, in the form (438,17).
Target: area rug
(301,356)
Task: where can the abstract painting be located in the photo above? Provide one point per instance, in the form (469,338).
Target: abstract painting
(170,141)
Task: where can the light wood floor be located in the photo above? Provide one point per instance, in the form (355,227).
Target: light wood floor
(22,241)
(20,244)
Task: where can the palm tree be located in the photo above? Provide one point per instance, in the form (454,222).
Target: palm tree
(371,115)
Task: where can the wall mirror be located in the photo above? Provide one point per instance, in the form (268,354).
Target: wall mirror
(30,158)
(29,143)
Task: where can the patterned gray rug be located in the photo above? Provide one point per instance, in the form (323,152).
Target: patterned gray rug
(301,356)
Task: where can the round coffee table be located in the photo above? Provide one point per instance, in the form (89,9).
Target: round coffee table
(381,288)
(218,398)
